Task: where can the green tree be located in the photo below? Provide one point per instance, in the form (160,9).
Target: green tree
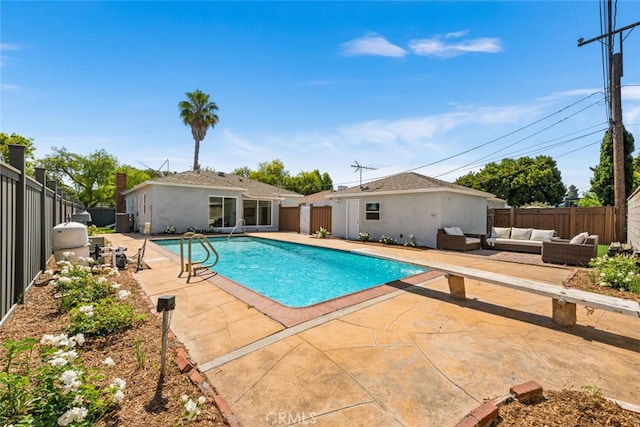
(198,112)
(310,182)
(588,200)
(602,181)
(243,171)
(572,192)
(89,178)
(15,139)
(272,173)
(520,182)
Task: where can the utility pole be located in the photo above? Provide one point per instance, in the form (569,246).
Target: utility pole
(617,130)
(359,167)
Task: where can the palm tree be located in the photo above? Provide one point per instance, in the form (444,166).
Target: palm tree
(199,113)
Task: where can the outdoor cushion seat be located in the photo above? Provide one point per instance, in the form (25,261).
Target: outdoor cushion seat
(452,238)
(560,251)
(518,239)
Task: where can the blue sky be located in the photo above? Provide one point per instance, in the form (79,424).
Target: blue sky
(436,87)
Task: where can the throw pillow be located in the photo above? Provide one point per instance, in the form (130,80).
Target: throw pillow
(579,239)
(542,235)
(453,231)
(500,232)
(520,233)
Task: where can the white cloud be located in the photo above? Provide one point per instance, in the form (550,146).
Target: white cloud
(438,47)
(9,87)
(631,92)
(8,46)
(571,93)
(372,44)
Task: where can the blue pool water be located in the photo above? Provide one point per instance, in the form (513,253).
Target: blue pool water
(296,275)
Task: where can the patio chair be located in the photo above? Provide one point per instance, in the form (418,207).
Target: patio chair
(560,251)
(452,238)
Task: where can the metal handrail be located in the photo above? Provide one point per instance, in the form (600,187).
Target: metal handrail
(244,224)
(191,266)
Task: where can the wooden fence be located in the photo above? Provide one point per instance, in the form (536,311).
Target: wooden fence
(566,221)
(29,209)
(320,216)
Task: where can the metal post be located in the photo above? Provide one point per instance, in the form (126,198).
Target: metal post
(165,305)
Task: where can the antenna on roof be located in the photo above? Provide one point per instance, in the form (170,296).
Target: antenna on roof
(359,167)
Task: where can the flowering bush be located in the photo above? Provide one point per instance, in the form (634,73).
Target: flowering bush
(619,272)
(170,229)
(364,236)
(388,240)
(80,282)
(322,233)
(191,409)
(104,317)
(411,242)
(59,391)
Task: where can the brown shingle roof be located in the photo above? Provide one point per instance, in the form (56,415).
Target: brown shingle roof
(408,181)
(224,181)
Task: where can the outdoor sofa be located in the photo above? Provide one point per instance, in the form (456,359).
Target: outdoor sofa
(577,251)
(453,238)
(516,239)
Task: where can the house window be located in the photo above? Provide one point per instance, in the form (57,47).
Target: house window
(222,211)
(372,211)
(257,212)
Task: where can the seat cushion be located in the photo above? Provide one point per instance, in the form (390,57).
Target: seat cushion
(542,235)
(579,239)
(520,233)
(500,232)
(453,231)
(472,240)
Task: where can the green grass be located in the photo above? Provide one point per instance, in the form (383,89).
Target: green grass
(104,230)
(602,250)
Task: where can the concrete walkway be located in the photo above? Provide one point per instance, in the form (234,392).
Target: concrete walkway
(412,357)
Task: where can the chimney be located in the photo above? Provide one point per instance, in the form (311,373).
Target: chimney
(121,186)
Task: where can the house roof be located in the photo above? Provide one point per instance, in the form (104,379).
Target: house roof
(316,197)
(220,180)
(408,182)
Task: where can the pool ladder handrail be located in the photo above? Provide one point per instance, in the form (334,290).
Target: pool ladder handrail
(244,224)
(190,266)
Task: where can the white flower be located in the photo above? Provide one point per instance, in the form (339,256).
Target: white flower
(118,396)
(87,310)
(74,414)
(78,400)
(68,254)
(119,383)
(116,286)
(102,280)
(109,362)
(64,279)
(49,272)
(58,362)
(202,400)
(123,295)
(77,338)
(184,398)
(70,381)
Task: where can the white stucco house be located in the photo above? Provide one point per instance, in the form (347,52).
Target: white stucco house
(205,200)
(405,204)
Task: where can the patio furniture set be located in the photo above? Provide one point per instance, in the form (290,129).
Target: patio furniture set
(576,251)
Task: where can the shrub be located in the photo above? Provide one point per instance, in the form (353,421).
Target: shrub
(411,242)
(80,283)
(104,317)
(170,229)
(59,390)
(388,240)
(619,272)
(322,233)
(364,236)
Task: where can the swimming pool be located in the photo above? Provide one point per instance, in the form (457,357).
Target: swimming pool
(297,275)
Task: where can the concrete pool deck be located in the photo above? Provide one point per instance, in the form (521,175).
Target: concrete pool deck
(407,357)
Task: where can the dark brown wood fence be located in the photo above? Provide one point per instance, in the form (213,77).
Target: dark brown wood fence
(290,219)
(566,221)
(319,217)
(29,209)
